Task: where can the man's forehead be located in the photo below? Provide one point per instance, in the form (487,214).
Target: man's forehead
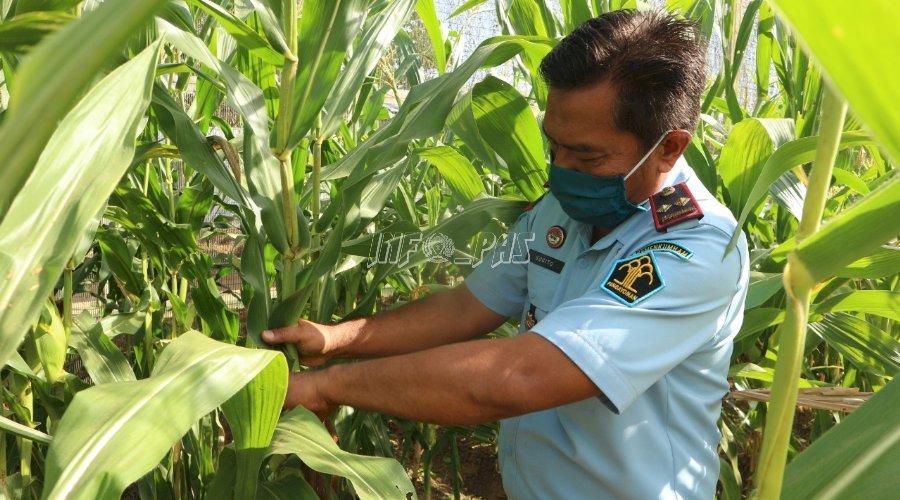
(587,141)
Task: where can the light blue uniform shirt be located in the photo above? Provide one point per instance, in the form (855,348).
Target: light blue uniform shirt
(661,360)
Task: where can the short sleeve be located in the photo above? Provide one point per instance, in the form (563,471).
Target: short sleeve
(500,281)
(626,349)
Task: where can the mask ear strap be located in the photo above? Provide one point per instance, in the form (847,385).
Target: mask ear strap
(652,149)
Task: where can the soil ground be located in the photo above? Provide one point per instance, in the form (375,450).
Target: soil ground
(478,468)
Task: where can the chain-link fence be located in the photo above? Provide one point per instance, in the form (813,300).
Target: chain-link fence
(469,29)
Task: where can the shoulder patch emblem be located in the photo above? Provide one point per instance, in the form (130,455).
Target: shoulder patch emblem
(667,247)
(672,205)
(633,279)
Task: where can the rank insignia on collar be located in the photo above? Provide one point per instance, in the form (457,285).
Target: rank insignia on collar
(556,236)
(531,205)
(634,279)
(672,205)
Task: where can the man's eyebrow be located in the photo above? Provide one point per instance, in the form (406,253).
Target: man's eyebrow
(581,148)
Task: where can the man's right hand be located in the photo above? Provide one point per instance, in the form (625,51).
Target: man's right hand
(439,319)
(313,340)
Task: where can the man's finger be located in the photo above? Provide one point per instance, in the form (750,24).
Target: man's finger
(280,335)
(313,361)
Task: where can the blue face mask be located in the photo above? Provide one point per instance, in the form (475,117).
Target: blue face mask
(596,200)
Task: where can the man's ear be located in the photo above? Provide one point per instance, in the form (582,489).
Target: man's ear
(671,149)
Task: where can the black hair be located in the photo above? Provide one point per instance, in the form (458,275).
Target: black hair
(655,61)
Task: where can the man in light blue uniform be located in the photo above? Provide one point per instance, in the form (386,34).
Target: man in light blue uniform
(660,361)
(628,303)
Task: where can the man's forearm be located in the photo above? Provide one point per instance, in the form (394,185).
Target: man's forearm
(412,386)
(465,383)
(438,319)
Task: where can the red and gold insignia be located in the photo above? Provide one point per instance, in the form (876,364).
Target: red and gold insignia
(672,205)
(531,205)
(556,236)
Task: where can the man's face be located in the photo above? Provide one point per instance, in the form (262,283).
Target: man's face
(579,126)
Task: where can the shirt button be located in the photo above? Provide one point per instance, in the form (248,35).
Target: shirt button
(582,264)
(532,294)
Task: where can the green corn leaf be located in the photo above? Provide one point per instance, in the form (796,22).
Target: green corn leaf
(102,359)
(424,112)
(377,36)
(24,6)
(56,74)
(765,44)
(194,203)
(375,193)
(527,17)
(113,434)
(117,257)
(574,12)
(881,264)
(850,180)
(508,125)
(461,120)
(261,167)
(194,150)
(882,303)
(179,14)
(222,483)
(167,244)
(762,288)
(46,220)
(700,159)
(863,344)
(854,46)
(300,432)
(23,31)
(456,169)
(327,29)
(857,232)
(751,371)
(856,459)
(245,36)
(428,15)
(750,144)
(286,488)
(876,302)
(260,73)
(221,322)
(327,258)
(252,414)
(23,431)
(469,5)
(785,158)
(272,16)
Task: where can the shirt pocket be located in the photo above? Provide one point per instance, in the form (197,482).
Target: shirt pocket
(543,285)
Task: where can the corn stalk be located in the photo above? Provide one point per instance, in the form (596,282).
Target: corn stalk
(799,285)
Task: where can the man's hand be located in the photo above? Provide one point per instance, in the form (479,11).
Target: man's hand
(314,341)
(303,390)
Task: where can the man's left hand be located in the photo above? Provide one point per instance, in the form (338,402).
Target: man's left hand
(304,389)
